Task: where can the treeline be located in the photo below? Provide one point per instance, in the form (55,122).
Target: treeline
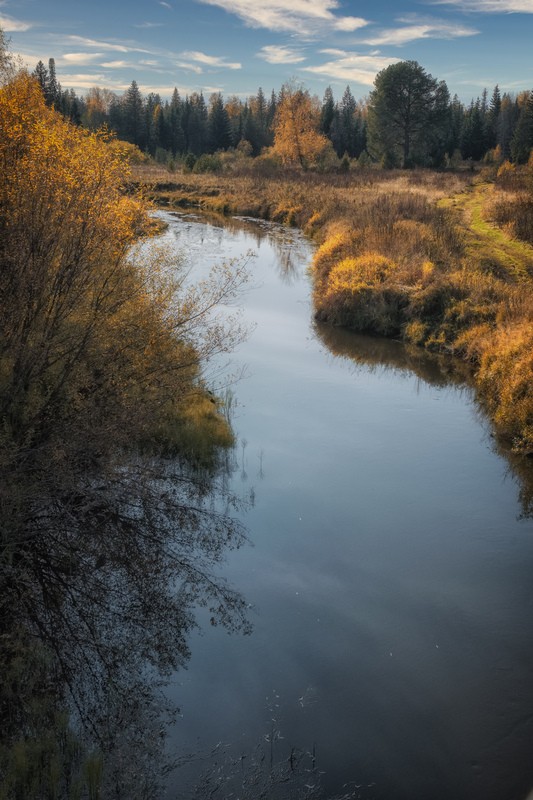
(496,127)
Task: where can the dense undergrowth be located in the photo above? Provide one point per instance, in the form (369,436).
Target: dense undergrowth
(443,260)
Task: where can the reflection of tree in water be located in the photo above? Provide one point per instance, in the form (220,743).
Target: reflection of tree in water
(97,598)
(434,369)
(290,246)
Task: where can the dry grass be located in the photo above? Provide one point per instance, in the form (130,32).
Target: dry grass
(416,255)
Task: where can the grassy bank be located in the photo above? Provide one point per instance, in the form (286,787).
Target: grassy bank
(440,260)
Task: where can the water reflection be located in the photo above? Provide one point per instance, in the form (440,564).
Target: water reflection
(434,369)
(99,588)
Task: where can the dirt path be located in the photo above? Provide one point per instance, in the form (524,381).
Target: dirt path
(488,246)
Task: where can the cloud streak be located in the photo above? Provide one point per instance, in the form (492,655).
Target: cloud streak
(491,6)
(103,45)
(420,30)
(351,67)
(280,54)
(300,16)
(210,61)
(11,25)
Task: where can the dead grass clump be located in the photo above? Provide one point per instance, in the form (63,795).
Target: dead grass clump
(354,295)
(505,372)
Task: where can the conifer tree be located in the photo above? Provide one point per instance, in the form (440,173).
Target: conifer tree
(327,114)
(219,133)
(522,141)
(406,109)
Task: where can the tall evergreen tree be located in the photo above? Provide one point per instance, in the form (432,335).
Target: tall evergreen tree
(492,117)
(219,132)
(507,119)
(197,132)
(327,113)
(522,141)
(133,117)
(406,109)
(41,73)
(53,92)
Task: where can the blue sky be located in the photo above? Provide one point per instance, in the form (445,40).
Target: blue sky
(235,46)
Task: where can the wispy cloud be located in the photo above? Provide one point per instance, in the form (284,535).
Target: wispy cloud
(351,67)
(165,5)
(300,16)
(149,25)
(81,58)
(210,61)
(104,45)
(491,6)
(419,30)
(115,64)
(11,25)
(280,54)
(189,67)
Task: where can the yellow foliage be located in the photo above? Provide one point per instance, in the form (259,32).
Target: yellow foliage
(84,332)
(351,274)
(296,137)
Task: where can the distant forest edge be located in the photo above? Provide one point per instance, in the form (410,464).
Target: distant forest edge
(409,119)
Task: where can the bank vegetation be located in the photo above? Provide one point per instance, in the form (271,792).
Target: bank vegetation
(439,259)
(112,501)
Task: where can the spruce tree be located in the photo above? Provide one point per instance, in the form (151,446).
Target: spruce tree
(522,141)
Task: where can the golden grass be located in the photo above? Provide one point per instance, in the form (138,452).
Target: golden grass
(417,255)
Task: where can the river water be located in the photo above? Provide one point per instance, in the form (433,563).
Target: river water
(389,571)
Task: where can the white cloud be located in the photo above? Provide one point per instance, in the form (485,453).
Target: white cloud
(352,67)
(421,30)
(299,16)
(279,54)
(492,6)
(103,45)
(211,61)
(191,67)
(165,5)
(115,64)
(10,25)
(81,58)
(145,25)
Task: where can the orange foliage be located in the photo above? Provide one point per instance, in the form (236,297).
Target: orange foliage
(296,137)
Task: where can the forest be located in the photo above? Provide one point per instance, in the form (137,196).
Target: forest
(494,126)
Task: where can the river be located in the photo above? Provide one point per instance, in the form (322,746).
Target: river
(390,568)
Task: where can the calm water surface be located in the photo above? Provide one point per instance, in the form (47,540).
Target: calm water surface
(389,573)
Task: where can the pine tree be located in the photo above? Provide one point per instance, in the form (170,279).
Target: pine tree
(53,92)
(522,141)
(176,136)
(492,117)
(219,132)
(134,124)
(327,113)
(41,73)
(406,110)
(197,132)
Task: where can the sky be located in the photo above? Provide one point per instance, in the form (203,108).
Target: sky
(237,46)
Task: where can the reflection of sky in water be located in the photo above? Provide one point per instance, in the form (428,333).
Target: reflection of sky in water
(389,576)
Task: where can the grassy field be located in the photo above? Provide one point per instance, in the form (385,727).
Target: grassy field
(443,260)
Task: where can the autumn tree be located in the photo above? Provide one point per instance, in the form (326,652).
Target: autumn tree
(296,127)
(408,114)
(106,544)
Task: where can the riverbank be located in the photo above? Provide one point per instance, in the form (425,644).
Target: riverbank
(416,256)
